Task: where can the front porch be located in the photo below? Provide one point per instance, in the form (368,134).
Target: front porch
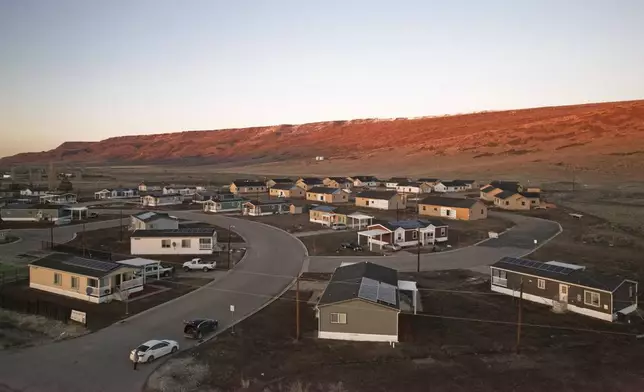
(357,220)
(374,237)
(116,287)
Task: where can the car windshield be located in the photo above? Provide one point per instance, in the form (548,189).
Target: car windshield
(143,348)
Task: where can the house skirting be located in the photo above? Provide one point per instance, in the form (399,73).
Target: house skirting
(82,296)
(549,302)
(361,337)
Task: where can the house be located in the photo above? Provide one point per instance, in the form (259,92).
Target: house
(450,186)
(119,193)
(430,181)
(508,200)
(58,198)
(84,279)
(565,286)
(203,196)
(511,186)
(534,198)
(103,194)
(242,187)
(338,182)
(452,208)
(150,186)
(488,192)
(192,241)
(361,302)
(275,181)
(287,191)
(270,207)
(327,195)
(412,232)
(183,191)
(328,215)
(413,187)
(150,220)
(226,205)
(393,182)
(159,199)
(295,209)
(365,181)
(382,200)
(307,183)
(34,191)
(34,213)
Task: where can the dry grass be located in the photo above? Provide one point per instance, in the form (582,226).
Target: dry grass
(19,330)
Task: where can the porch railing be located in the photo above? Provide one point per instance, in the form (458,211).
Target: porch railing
(499,281)
(128,284)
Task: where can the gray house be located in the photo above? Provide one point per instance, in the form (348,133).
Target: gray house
(361,302)
(150,220)
(34,213)
(565,286)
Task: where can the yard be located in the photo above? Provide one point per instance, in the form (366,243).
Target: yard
(19,297)
(20,330)
(288,222)
(328,244)
(45,225)
(464,341)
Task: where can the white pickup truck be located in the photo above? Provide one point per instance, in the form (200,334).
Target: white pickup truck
(154,270)
(198,264)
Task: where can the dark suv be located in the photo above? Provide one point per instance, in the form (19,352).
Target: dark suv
(197,329)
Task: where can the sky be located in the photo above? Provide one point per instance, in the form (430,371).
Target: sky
(74,70)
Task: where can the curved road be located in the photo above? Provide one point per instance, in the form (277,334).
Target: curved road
(99,361)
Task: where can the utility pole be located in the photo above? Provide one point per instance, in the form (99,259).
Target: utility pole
(83,238)
(121,224)
(418,253)
(297,308)
(51,238)
(520,317)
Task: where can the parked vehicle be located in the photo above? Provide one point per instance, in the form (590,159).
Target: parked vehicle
(156,270)
(198,264)
(338,226)
(92,215)
(197,329)
(153,349)
(351,245)
(392,247)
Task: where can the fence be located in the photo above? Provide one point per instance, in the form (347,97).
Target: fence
(14,275)
(83,252)
(38,307)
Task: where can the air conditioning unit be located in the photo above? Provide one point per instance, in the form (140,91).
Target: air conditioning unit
(107,291)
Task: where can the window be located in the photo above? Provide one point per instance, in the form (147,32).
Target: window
(591,298)
(424,208)
(507,203)
(541,284)
(482,212)
(75,282)
(435,208)
(499,277)
(205,243)
(165,243)
(414,234)
(91,282)
(185,243)
(523,203)
(338,318)
(630,292)
(58,279)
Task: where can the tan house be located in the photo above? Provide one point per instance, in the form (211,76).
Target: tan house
(452,208)
(327,195)
(338,182)
(287,191)
(88,280)
(488,192)
(278,181)
(327,215)
(517,201)
(241,187)
(362,302)
(382,200)
(307,183)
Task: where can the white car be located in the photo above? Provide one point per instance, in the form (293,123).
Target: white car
(199,264)
(392,247)
(153,349)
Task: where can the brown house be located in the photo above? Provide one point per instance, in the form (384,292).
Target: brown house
(567,287)
(327,195)
(275,181)
(338,182)
(488,192)
(361,302)
(307,183)
(511,201)
(382,200)
(287,191)
(240,187)
(452,208)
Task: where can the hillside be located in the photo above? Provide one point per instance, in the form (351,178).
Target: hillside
(607,136)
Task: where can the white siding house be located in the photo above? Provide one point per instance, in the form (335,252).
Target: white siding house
(156,200)
(195,241)
(150,220)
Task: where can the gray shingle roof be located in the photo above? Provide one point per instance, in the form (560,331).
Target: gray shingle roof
(324,190)
(284,187)
(449,202)
(505,195)
(311,180)
(345,282)
(378,195)
(411,224)
(239,183)
(149,216)
(512,186)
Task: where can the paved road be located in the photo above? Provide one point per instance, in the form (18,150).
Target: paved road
(98,362)
(516,242)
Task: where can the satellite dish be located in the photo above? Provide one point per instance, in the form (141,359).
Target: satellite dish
(174,244)
(89,290)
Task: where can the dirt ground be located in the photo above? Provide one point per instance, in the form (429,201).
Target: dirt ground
(103,315)
(46,225)
(20,330)
(291,223)
(437,351)
(328,244)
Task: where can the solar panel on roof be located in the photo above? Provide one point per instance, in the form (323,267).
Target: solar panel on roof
(91,264)
(537,265)
(387,293)
(368,289)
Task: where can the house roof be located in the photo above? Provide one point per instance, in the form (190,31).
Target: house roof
(488,189)
(506,185)
(324,190)
(412,224)
(341,180)
(505,195)
(311,180)
(449,202)
(378,195)
(159,194)
(409,183)
(464,182)
(531,195)
(363,280)
(428,179)
(365,178)
(77,265)
(267,202)
(149,216)
(186,232)
(325,208)
(282,180)
(452,183)
(239,183)
(284,187)
(580,277)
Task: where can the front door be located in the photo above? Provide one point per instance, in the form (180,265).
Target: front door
(563,293)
